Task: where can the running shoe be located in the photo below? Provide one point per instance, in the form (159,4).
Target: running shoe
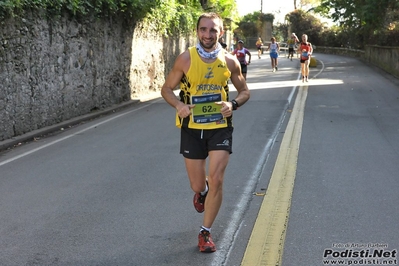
(276,68)
(199,201)
(205,242)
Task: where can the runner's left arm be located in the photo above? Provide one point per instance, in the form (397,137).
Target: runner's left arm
(249,55)
(238,81)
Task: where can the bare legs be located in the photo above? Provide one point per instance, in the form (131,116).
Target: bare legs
(196,171)
(290,54)
(305,70)
(274,63)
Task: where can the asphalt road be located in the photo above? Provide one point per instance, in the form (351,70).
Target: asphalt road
(113,190)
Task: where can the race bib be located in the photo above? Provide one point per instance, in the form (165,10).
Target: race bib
(305,54)
(273,51)
(206,110)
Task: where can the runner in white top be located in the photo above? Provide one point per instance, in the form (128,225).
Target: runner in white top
(274,50)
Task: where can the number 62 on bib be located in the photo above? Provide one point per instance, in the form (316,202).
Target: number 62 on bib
(206,110)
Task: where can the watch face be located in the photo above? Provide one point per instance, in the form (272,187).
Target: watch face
(235,104)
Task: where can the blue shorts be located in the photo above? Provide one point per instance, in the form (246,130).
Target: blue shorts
(273,55)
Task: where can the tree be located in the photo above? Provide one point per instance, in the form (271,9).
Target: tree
(305,23)
(306,3)
(251,24)
(366,14)
(226,8)
(365,21)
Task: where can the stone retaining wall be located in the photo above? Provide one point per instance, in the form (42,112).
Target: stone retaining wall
(384,57)
(55,69)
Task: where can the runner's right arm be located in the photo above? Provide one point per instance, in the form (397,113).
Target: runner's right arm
(180,67)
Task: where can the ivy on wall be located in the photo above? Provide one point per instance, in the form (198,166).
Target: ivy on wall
(78,7)
(167,15)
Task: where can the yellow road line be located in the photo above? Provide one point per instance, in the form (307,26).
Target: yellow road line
(266,244)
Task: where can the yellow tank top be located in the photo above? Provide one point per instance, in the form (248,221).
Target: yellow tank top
(204,84)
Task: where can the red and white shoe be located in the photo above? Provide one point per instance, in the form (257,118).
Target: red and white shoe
(199,201)
(205,242)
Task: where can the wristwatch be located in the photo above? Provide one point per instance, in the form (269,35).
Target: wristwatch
(235,104)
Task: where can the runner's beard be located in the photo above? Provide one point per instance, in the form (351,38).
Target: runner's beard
(210,46)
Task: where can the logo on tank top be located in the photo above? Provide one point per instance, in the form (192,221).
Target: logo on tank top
(209,74)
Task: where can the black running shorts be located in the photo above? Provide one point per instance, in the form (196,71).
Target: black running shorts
(196,143)
(243,68)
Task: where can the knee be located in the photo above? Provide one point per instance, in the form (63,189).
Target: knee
(215,183)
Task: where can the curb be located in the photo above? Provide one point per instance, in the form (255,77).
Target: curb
(14,141)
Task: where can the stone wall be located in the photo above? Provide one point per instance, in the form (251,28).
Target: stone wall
(152,57)
(56,68)
(266,32)
(384,57)
(340,51)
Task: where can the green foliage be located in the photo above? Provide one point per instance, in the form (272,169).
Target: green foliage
(369,15)
(258,17)
(342,35)
(305,23)
(169,16)
(251,24)
(266,17)
(226,8)
(358,22)
(363,21)
(180,16)
(136,8)
(172,16)
(246,29)
(280,32)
